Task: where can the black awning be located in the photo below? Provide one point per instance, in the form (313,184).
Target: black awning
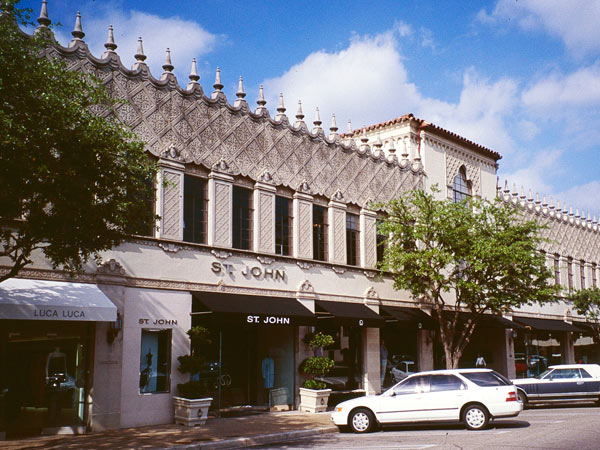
(349,313)
(408,316)
(494,321)
(548,324)
(252,309)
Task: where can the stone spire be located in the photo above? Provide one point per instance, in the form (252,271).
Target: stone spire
(364,147)
(391,148)
(333,129)
(43,19)
(77,32)
(404,150)
(349,127)
(167,66)
(218,86)
(280,108)
(378,144)
(139,55)
(317,123)
(261,102)
(194,77)
(110,42)
(299,115)
(240,94)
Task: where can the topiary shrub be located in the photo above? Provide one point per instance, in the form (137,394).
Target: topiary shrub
(317,365)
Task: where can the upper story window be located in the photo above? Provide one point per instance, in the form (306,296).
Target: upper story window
(195,207)
(319,233)
(594,275)
(582,274)
(242,218)
(283,226)
(556,269)
(570,273)
(461,187)
(381,242)
(352,240)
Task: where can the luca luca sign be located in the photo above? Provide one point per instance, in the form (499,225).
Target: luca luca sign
(257,272)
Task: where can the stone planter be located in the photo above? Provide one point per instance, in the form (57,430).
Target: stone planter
(191,412)
(314,401)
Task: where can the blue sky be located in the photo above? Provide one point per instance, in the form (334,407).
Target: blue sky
(521,77)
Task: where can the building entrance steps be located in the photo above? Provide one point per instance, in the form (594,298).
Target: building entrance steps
(229,432)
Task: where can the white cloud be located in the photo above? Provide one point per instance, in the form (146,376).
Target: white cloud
(584,196)
(542,167)
(185,38)
(575,22)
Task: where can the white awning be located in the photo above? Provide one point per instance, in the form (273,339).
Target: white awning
(54,300)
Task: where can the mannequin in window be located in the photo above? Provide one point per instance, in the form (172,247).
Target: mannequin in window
(56,367)
(268,372)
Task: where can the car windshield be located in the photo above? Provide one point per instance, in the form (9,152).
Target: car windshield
(543,374)
(490,378)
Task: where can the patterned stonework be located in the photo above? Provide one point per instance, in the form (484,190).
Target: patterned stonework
(171,215)
(339,236)
(222,213)
(266,233)
(207,130)
(369,234)
(305,228)
(455,159)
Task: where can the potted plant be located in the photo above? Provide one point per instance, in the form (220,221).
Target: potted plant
(192,404)
(313,393)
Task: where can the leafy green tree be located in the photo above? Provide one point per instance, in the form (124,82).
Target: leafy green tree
(587,303)
(476,256)
(74,182)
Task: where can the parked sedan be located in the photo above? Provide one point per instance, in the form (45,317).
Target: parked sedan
(561,383)
(470,396)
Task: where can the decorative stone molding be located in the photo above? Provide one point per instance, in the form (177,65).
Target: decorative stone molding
(111,267)
(338,196)
(371,293)
(304,265)
(266,177)
(338,270)
(221,166)
(170,247)
(265,260)
(370,274)
(306,286)
(304,188)
(171,152)
(221,254)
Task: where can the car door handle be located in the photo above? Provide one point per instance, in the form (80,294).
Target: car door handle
(579,382)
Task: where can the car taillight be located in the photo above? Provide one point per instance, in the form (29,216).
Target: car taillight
(512,397)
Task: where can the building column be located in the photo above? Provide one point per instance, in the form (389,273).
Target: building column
(302,228)
(220,199)
(169,198)
(567,348)
(264,214)
(336,215)
(368,238)
(503,353)
(424,350)
(371,369)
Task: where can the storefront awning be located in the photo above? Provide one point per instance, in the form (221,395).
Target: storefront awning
(252,309)
(54,300)
(547,324)
(349,313)
(494,321)
(408,316)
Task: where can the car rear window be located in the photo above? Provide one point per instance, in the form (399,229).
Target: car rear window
(486,378)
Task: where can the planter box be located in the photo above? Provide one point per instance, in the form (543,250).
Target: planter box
(191,412)
(314,401)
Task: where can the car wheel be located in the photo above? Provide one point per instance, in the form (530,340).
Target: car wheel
(475,417)
(523,398)
(362,421)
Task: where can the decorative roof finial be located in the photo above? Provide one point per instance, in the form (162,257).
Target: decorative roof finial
(378,144)
(333,128)
(194,77)
(43,20)
(139,55)
(364,147)
(218,85)
(280,108)
(317,122)
(391,148)
(349,128)
(299,115)
(110,42)
(261,102)
(240,94)
(167,66)
(77,32)
(404,150)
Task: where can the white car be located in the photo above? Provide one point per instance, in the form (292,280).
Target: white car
(471,396)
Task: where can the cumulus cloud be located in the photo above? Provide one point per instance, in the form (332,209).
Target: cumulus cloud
(584,197)
(575,22)
(185,38)
(534,175)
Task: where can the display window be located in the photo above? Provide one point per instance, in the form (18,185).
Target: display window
(155,357)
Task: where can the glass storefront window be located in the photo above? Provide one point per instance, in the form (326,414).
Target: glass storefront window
(154,361)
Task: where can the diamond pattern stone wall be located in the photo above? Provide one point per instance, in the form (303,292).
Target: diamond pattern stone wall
(266,232)
(368,234)
(222,214)
(171,215)
(304,225)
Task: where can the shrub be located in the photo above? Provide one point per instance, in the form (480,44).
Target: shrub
(318,365)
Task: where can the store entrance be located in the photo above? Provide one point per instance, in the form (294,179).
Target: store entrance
(43,384)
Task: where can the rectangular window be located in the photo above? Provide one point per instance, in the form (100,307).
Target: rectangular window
(556,270)
(242,218)
(319,233)
(283,226)
(594,275)
(582,274)
(195,208)
(155,357)
(352,240)
(381,243)
(570,273)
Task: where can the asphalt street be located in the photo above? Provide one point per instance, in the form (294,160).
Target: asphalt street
(572,427)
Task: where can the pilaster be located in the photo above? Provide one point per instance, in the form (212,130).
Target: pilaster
(424,350)
(567,349)
(368,238)
(302,205)
(371,369)
(169,199)
(264,214)
(220,199)
(336,215)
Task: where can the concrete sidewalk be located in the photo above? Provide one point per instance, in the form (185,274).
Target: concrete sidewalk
(231,432)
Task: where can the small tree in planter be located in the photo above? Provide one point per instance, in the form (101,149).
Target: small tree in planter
(313,394)
(191,408)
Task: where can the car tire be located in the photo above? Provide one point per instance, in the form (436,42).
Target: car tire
(361,421)
(523,398)
(475,417)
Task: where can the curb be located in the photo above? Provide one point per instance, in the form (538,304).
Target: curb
(244,442)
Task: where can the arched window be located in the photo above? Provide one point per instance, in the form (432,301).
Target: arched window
(461,188)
